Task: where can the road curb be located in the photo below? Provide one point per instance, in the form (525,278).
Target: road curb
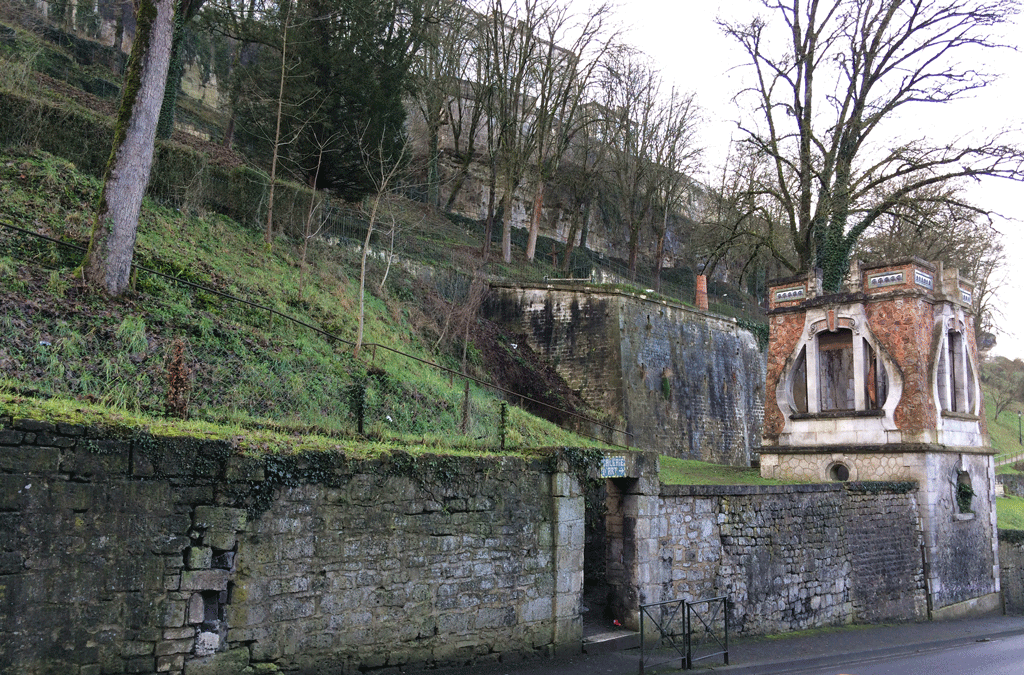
(796,666)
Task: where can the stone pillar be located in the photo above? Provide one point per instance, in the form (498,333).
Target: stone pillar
(569,529)
(631,541)
(702,292)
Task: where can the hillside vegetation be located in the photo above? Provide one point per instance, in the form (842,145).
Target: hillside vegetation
(245,366)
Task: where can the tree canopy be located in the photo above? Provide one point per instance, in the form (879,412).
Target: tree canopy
(830,78)
(340,88)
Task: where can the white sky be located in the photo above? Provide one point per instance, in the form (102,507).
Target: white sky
(692,53)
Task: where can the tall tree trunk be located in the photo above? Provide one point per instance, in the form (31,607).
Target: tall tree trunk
(506,227)
(634,245)
(538,205)
(661,250)
(657,262)
(362,274)
(433,157)
(585,230)
(229,130)
(112,246)
(485,252)
(268,234)
(570,238)
(165,127)
(465,161)
(119,12)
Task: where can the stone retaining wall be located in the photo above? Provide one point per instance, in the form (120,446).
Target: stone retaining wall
(122,552)
(788,558)
(687,383)
(1011,569)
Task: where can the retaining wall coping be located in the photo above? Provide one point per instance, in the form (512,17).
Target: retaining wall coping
(858,487)
(594,289)
(888,449)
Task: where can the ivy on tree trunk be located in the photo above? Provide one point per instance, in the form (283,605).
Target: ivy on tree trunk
(108,261)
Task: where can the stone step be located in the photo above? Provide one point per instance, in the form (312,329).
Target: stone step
(611,641)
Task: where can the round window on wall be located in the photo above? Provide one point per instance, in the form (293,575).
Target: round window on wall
(839,472)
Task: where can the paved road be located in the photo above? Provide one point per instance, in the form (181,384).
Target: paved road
(1001,656)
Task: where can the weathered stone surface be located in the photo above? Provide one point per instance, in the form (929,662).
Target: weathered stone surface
(11,437)
(788,557)
(32,425)
(99,458)
(219,518)
(394,572)
(687,382)
(54,439)
(204,580)
(224,663)
(29,459)
(196,610)
(198,557)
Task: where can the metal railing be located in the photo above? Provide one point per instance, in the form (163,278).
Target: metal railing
(1009,457)
(676,622)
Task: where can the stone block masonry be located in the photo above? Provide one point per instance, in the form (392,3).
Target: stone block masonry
(787,557)
(121,552)
(685,382)
(1011,562)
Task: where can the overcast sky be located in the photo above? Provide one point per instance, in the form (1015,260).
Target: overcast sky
(688,47)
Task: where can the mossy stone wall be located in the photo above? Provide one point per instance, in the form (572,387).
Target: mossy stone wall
(124,552)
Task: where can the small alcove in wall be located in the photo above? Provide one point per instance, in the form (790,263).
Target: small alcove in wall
(963,492)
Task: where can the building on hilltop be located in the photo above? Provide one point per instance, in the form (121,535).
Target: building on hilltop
(880,383)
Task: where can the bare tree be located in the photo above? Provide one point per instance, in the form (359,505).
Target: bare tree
(675,156)
(268,231)
(246,24)
(631,89)
(740,225)
(572,50)
(1005,380)
(581,177)
(940,224)
(510,49)
(467,109)
(437,77)
(390,170)
(828,77)
(308,232)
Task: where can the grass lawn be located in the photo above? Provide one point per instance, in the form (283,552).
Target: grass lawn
(675,471)
(1010,513)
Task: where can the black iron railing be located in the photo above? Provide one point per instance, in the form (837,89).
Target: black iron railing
(684,630)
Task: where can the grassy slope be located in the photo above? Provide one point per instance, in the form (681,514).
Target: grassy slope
(249,369)
(1003,432)
(252,375)
(1010,511)
(1003,435)
(255,377)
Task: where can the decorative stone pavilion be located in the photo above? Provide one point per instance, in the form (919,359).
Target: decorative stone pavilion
(880,383)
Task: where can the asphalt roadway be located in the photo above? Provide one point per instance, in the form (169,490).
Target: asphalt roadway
(812,651)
